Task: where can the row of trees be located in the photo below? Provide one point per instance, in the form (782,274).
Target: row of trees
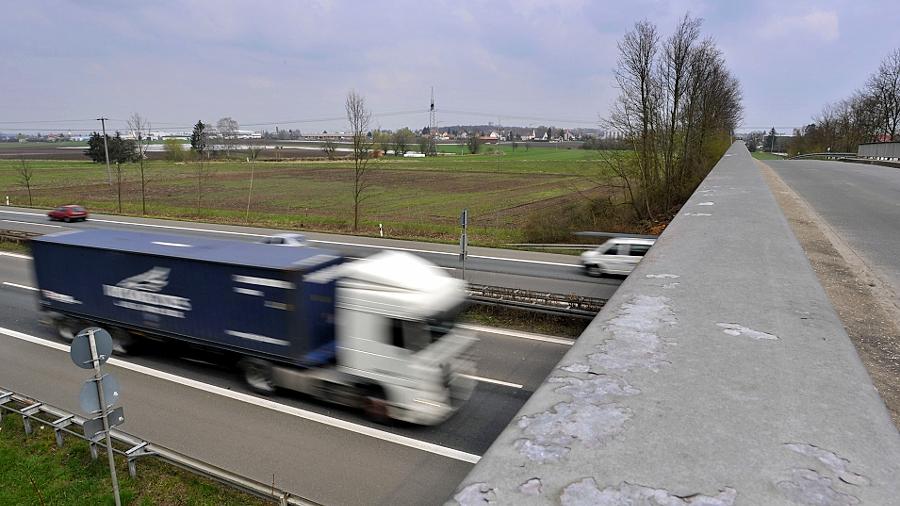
(870,114)
(677,109)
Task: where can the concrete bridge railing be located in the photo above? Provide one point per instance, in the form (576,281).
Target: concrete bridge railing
(718,374)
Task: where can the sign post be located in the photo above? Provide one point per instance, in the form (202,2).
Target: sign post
(464,239)
(90,349)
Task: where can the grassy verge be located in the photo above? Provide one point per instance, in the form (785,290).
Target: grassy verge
(34,471)
(762,155)
(14,247)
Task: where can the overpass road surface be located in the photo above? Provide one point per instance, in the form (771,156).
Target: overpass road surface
(487,266)
(861,204)
(199,407)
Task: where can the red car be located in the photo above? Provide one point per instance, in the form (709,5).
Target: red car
(68,213)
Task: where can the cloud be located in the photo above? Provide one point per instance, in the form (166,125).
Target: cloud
(816,25)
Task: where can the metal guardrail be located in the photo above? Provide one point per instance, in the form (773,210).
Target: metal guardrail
(542,302)
(17,236)
(62,422)
(829,155)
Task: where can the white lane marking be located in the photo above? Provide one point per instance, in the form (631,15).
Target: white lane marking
(15,255)
(383,435)
(24,287)
(30,223)
(490,380)
(448,253)
(321,241)
(520,335)
(173,244)
(189,229)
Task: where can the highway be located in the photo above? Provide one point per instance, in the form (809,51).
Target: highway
(191,404)
(861,203)
(487,266)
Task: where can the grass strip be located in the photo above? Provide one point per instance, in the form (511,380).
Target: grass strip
(34,471)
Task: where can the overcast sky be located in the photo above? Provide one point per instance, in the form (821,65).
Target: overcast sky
(523,62)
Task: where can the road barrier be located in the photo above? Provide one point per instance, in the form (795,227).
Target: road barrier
(63,423)
(16,236)
(717,374)
(542,302)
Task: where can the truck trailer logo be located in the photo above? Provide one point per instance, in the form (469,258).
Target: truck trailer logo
(140,293)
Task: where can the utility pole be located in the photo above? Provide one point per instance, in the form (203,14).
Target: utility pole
(432,126)
(102,121)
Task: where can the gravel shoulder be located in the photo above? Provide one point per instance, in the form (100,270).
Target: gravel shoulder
(860,298)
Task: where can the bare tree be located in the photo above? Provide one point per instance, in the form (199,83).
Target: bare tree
(228,132)
(140,129)
(252,155)
(26,174)
(884,86)
(473,143)
(359,117)
(330,149)
(120,181)
(200,144)
(677,107)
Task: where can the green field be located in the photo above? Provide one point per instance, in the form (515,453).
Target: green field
(412,197)
(34,471)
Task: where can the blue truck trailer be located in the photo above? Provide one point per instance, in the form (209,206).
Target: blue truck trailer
(295,317)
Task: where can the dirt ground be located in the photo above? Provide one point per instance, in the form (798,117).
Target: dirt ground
(871,320)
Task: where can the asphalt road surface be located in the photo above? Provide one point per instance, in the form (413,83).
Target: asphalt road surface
(544,272)
(861,203)
(194,405)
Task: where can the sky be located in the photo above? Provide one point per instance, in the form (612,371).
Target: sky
(521,62)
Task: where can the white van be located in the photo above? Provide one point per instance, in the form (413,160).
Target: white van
(618,255)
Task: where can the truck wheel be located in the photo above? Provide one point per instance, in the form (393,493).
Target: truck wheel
(594,270)
(66,329)
(375,405)
(123,342)
(258,375)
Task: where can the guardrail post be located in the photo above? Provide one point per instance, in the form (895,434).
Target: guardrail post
(4,398)
(94,453)
(133,453)
(27,412)
(60,424)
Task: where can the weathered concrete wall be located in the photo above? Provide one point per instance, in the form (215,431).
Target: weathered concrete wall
(718,374)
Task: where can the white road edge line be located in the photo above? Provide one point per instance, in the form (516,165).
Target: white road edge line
(337,243)
(268,404)
(490,380)
(15,255)
(24,287)
(520,335)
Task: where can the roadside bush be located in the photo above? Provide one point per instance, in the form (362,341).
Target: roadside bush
(174,150)
(557,225)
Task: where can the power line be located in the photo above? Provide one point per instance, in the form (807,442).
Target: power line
(75,127)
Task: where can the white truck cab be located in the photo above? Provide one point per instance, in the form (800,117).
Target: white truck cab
(618,255)
(395,326)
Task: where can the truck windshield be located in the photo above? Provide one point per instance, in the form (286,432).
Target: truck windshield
(417,335)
